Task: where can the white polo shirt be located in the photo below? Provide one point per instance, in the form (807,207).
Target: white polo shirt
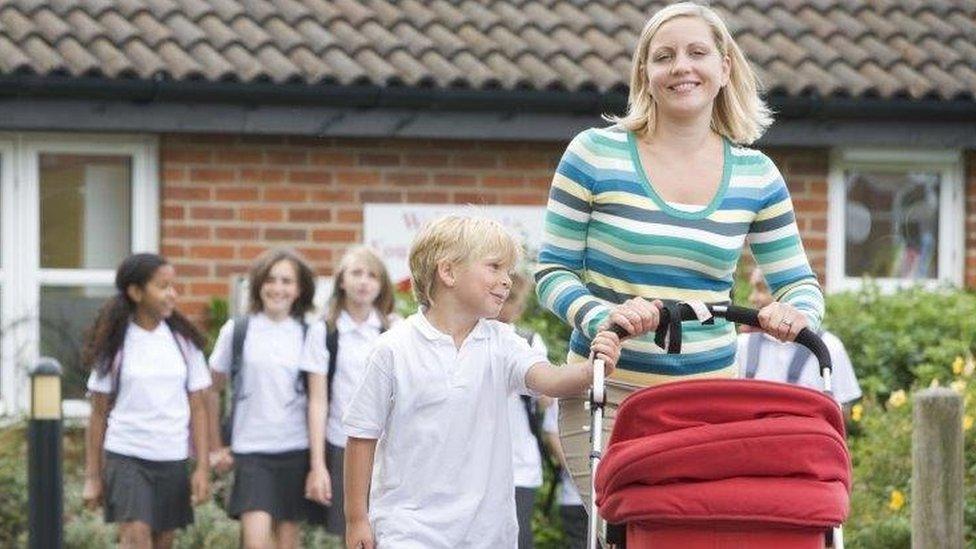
(526,459)
(568,494)
(272,407)
(151,415)
(775,358)
(355,342)
(444,459)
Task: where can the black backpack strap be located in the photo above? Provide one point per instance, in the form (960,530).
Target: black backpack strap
(236,365)
(302,374)
(331,345)
(753,348)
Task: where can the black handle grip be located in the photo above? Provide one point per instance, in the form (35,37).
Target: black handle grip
(743,315)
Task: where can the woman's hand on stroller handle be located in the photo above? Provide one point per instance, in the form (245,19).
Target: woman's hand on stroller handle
(634,317)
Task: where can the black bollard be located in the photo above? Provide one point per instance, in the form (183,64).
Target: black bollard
(45,487)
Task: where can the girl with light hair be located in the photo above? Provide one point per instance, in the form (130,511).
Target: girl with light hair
(659,205)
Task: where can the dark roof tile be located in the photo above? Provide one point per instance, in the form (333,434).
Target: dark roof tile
(876,48)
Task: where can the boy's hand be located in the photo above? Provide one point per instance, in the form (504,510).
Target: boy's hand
(606,346)
(359,534)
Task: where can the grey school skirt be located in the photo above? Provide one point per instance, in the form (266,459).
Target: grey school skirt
(273,483)
(154,492)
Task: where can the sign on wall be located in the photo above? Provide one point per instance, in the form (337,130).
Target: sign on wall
(390,228)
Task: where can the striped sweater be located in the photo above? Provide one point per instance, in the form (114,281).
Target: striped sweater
(609,237)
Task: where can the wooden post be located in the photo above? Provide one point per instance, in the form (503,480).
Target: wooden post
(937,470)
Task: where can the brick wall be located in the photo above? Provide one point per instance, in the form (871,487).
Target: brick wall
(228,198)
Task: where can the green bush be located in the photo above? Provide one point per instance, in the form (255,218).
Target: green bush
(894,340)
(881,448)
(13,484)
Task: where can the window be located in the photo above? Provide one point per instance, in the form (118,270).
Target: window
(894,217)
(80,205)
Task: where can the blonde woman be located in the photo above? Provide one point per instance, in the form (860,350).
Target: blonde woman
(660,205)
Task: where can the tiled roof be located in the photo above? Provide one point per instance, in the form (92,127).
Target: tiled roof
(853,48)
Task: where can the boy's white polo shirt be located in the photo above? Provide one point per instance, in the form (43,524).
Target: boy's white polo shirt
(444,458)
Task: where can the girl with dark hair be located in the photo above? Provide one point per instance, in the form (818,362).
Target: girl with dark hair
(277,405)
(148,384)
(360,308)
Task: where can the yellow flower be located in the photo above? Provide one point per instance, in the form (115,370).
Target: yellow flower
(897,398)
(897,500)
(958,386)
(957,365)
(967,423)
(856,412)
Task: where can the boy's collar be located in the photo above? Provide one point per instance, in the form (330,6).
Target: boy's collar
(480,330)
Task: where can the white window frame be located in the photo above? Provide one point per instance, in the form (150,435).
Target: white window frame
(951,246)
(21,240)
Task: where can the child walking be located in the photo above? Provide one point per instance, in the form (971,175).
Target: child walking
(524,420)
(277,419)
(360,309)
(148,393)
(436,394)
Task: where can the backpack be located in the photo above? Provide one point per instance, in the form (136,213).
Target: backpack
(332,345)
(236,379)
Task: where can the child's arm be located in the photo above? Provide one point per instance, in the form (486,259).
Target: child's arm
(200,481)
(357,473)
(220,456)
(572,379)
(318,485)
(92,492)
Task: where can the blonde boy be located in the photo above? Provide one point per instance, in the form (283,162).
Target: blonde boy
(436,395)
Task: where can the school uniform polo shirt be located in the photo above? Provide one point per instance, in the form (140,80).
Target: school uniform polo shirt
(444,456)
(775,358)
(526,459)
(356,340)
(272,408)
(151,415)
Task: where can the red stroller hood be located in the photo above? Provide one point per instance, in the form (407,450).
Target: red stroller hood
(726,451)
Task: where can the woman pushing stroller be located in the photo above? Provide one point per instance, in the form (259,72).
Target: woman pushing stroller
(660,205)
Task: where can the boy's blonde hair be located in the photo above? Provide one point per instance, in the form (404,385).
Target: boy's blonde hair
(739,113)
(458,239)
(384,301)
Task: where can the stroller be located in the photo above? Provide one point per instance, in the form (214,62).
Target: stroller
(721,463)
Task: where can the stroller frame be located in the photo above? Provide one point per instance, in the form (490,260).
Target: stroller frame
(704,313)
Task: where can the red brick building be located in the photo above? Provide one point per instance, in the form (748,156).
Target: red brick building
(211,130)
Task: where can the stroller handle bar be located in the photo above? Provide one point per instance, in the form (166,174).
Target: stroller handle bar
(672,314)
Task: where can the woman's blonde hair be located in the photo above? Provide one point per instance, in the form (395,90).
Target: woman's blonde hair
(739,113)
(458,239)
(384,301)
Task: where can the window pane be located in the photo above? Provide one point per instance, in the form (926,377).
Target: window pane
(66,315)
(85,210)
(892,222)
